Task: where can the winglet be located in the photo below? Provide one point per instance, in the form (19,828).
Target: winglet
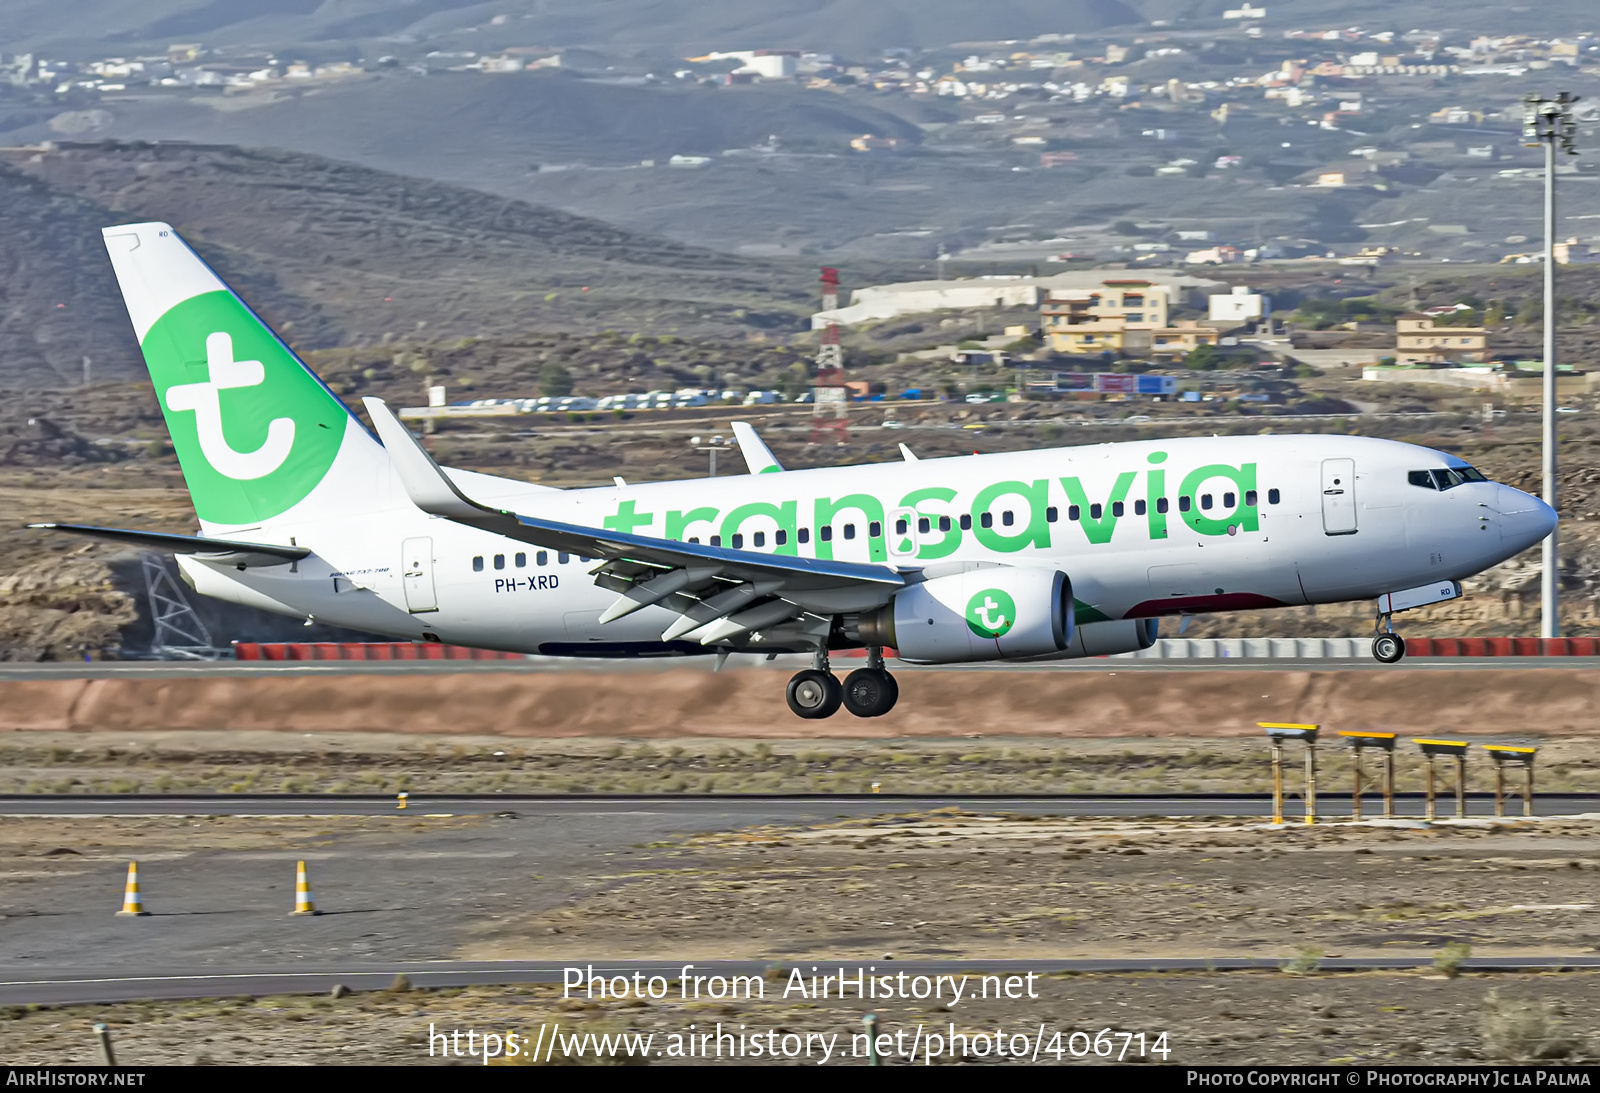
(757,456)
(429,488)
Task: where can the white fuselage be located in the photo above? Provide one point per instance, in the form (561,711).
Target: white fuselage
(1143,529)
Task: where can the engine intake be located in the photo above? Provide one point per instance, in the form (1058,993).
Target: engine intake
(1101,639)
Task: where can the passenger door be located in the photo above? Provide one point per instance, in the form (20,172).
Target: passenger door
(1339,496)
(416,567)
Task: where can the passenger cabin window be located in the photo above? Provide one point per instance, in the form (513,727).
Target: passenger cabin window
(1161,504)
(1139,508)
(499,561)
(1273,497)
(737,541)
(901,526)
(825,533)
(1116,508)
(987,520)
(1074,512)
(966,521)
(1184,503)
(874,530)
(522,561)
(1227,500)
(758,539)
(1249,499)
(1050,515)
(802,536)
(477,564)
(542,558)
(780,537)
(924,525)
(1095,511)
(1007,518)
(561,556)
(849,531)
(716,540)
(1205,500)
(944,523)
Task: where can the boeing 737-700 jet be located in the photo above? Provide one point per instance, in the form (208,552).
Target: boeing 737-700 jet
(1056,553)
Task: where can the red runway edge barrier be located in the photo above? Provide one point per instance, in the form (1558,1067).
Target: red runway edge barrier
(405,650)
(397,650)
(1502,647)
(357,650)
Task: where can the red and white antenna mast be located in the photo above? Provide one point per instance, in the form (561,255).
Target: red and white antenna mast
(829,424)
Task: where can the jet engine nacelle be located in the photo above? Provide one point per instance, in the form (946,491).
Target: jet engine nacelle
(983,614)
(1100,639)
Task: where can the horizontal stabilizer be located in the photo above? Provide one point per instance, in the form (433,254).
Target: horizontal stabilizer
(226,551)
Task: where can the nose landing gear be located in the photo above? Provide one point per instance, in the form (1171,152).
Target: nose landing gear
(1388,647)
(866,692)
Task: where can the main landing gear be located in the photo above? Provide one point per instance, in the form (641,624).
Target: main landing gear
(866,692)
(1388,647)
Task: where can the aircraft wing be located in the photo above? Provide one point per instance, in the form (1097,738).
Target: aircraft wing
(721,594)
(225,551)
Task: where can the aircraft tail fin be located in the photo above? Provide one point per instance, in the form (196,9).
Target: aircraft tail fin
(259,437)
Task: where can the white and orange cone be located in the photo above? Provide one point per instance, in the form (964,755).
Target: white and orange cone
(304,904)
(132,904)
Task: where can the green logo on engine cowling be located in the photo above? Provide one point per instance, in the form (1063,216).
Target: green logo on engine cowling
(254,431)
(991,613)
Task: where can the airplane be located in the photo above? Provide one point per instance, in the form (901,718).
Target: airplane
(1035,555)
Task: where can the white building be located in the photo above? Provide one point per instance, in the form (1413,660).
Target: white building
(873,303)
(1239,306)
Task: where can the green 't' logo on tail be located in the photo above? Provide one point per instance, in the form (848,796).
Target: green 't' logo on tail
(254,431)
(991,613)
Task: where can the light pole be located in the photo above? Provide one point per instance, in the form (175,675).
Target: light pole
(713,445)
(1549,122)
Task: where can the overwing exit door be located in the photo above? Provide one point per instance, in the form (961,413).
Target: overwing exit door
(1339,496)
(416,561)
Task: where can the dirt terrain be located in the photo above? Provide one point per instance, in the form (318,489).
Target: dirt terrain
(651,701)
(169,761)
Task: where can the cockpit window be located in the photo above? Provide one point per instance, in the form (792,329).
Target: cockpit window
(1445,479)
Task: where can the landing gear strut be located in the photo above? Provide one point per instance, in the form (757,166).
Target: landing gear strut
(1388,647)
(866,692)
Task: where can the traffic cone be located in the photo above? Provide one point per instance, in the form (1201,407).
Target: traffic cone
(131,903)
(304,904)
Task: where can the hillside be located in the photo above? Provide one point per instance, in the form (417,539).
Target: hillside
(335,254)
(677,26)
(400,120)
(685,27)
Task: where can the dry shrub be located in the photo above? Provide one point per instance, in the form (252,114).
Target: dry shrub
(1522,1031)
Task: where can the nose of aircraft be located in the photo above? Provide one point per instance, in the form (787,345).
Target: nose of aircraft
(1524,519)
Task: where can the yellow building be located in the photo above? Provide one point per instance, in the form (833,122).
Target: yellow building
(1418,340)
(1122,317)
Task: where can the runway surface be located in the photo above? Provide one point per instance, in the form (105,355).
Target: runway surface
(397,898)
(194,669)
(757,808)
(67,988)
